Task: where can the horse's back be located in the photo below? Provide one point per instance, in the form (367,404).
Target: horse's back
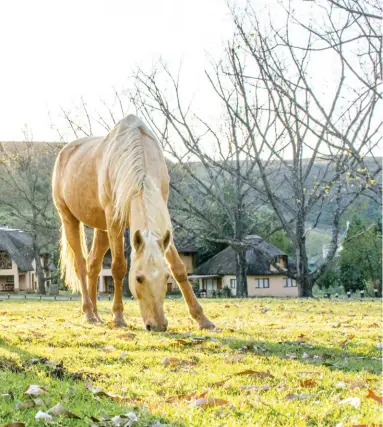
(75,181)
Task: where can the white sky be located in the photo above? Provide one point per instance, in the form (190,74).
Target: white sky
(54,52)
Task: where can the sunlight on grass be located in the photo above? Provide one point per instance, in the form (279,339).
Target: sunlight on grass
(299,360)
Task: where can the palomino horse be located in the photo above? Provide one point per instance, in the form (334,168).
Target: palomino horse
(112,183)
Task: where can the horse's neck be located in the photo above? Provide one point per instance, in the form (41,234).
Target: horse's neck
(140,219)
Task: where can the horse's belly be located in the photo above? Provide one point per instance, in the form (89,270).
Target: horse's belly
(92,216)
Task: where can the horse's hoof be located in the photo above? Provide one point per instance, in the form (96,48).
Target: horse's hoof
(92,320)
(99,320)
(206,324)
(119,322)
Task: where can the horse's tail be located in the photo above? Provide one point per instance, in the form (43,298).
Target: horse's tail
(67,260)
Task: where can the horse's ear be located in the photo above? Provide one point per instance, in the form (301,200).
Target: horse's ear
(138,241)
(166,240)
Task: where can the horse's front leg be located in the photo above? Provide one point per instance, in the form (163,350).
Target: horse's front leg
(119,268)
(94,264)
(179,273)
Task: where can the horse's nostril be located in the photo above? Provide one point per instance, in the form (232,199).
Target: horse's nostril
(148,327)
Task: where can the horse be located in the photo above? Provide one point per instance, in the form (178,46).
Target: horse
(111,183)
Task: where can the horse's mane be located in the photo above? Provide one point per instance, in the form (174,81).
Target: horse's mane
(128,174)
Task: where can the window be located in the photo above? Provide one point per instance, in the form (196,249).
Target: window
(10,279)
(289,283)
(5,261)
(233,283)
(262,283)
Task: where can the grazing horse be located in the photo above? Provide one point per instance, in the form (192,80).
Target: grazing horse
(112,183)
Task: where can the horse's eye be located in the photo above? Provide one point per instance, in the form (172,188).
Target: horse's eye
(140,279)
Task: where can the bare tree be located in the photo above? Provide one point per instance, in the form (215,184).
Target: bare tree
(302,145)
(25,196)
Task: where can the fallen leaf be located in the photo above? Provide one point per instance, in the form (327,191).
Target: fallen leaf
(257,374)
(353,401)
(15,425)
(305,356)
(120,420)
(26,405)
(173,361)
(97,391)
(209,402)
(109,348)
(308,383)
(298,396)
(128,336)
(43,416)
(219,383)
(367,425)
(188,397)
(60,411)
(357,384)
(123,354)
(374,396)
(35,390)
(255,387)
(340,384)
(291,356)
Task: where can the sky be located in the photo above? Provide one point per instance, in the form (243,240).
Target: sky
(55,52)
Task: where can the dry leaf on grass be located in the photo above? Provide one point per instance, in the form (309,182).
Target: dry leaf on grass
(209,402)
(308,383)
(123,354)
(219,383)
(353,401)
(108,348)
(257,374)
(173,361)
(30,404)
(35,390)
(97,391)
(15,425)
(128,336)
(60,411)
(356,384)
(43,416)
(255,387)
(298,396)
(125,419)
(367,425)
(374,396)
(187,397)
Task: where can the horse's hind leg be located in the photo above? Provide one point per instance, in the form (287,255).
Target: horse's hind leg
(73,236)
(179,272)
(94,262)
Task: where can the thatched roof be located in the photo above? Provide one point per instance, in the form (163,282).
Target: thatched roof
(185,243)
(258,260)
(18,245)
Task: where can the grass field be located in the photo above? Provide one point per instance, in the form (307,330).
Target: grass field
(271,362)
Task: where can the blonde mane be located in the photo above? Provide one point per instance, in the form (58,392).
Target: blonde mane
(127,170)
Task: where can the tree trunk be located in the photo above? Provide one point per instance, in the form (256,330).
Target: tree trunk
(241,273)
(39,268)
(304,280)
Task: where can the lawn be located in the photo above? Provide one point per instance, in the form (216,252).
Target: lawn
(271,362)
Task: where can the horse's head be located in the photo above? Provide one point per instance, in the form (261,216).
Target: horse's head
(148,277)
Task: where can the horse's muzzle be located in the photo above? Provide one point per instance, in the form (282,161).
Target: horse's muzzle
(156,328)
